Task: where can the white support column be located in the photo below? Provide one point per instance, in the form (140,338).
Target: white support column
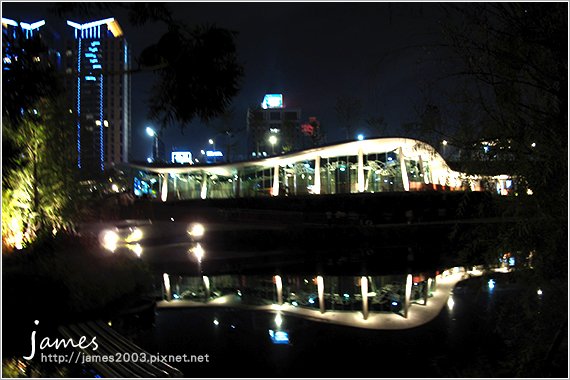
(167,290)
(207,285)
(321,293)
(175,185)
(204,191)
(295,179)
(403,169)
(360,171)
(279,288)
(164,188)
(275,191)
(408,295)
(364,291)
(317,186)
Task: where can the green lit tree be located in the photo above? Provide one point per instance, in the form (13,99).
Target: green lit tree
(37,194)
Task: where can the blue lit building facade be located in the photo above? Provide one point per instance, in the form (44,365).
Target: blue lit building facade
(97,63)
(15,32)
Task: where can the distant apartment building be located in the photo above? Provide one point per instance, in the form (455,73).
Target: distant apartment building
(94,59)
(97,61)
(273,128)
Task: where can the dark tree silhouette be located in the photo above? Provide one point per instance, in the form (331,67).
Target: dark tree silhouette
(198,69)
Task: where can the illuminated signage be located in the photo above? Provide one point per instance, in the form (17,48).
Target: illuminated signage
(272,101)
(214,153)
(181,157)
(279,337)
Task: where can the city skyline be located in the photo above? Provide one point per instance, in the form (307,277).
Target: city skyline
(384,59)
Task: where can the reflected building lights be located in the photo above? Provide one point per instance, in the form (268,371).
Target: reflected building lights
(450,303)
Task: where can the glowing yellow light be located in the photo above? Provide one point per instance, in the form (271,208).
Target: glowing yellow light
(529,192)
(115,188)
(278,320)
(196,230)
(198,252)
(136,235)
(136,248)
(115,28)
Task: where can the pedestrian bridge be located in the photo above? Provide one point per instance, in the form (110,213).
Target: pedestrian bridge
(374,165)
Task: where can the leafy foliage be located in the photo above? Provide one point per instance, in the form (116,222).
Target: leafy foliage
(199,73)
(36,196)
(198,70)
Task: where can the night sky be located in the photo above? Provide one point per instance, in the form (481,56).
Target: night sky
(381,53)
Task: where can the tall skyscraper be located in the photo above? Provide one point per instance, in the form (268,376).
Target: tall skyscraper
(97,62)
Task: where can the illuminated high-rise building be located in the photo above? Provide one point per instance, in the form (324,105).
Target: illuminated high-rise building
(97,61)
(273,128)
(14,33)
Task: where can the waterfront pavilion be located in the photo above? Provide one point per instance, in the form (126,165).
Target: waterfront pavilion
(374,165)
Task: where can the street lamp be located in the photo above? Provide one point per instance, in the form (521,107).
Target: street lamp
(273,141)
(360,137)
(444,143)
(213,144)
(151,132)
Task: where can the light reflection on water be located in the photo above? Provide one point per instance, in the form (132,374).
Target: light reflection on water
(385,294)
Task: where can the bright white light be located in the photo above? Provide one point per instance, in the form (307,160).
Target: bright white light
(196,230)
(150,131)
(216,322)
(202,151)
(198,252)
(278,320)
(181,157)
(311,301)
(8,21)
(272,101)
(149,160)
(539,292)
(450,303)
(90,24)
(533,145)
(294,303)
(33,26)
(115,188)
(444,142)
(166,280)
(211,142)
(172,219)
(360,137)
(109,240)
(529,192)
(272,140)
(491,284)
